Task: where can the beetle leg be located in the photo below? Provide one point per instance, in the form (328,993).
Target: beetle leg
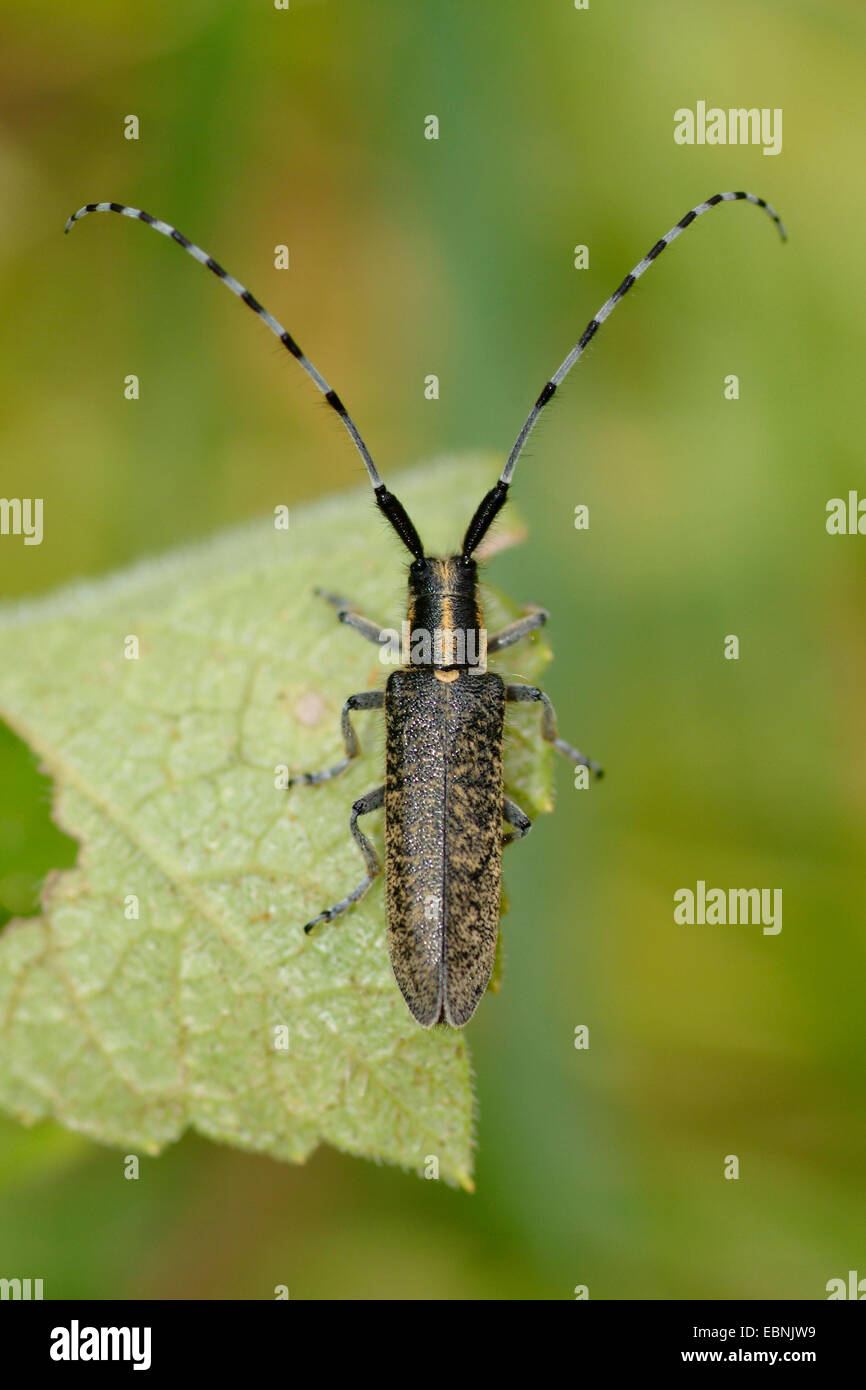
(519,693)
(371,802)
(348,614)
(367,699)
(521,627)
(512,813)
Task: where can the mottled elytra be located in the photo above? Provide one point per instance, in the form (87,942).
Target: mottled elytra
(443,793)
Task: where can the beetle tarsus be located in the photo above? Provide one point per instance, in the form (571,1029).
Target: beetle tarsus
(516,631)
(371,802)
(348,613)
(513,814)
(365,699)
(530,694)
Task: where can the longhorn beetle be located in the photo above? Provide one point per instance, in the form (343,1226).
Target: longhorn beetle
(444,713)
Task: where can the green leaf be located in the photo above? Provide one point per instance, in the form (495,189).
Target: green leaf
(130,1030)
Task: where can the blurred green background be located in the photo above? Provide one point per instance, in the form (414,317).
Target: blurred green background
(455,257)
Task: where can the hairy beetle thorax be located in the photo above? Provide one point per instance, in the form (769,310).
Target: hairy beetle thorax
(445,619)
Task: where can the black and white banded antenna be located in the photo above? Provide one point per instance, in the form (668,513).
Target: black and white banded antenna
(495,498)
(388,504)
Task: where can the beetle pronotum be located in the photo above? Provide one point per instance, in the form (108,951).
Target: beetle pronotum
(443,792)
